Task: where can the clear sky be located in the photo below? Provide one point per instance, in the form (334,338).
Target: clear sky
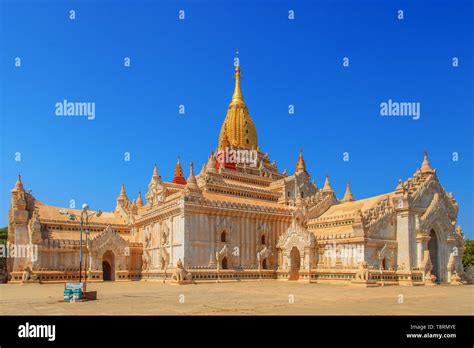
(190,62)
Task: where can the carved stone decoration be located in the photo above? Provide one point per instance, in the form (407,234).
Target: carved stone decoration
(165,233)
(376,218)
(263,254)
(296,236)
(427,267)
(180,275)
(437,211)
(146,260)
(164,258)
(224,253)
(318,204)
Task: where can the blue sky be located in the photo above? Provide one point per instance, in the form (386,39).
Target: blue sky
(190,62)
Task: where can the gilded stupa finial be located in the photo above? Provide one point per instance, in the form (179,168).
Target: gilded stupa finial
(300,165)
(155,172)
(191,182)
(238,129)
(139,201)
(178,174)
(327,185)
(237,97)
(123,194)
(425,166)
(19,184)
(348,197)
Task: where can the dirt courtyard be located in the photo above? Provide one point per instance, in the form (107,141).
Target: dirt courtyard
(268,297)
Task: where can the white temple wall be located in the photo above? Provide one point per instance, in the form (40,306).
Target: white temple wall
(243,238)
(347,255)
(406,239)
(177,240)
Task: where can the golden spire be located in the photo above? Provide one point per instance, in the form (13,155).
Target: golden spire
(139,201)
(399,188)
(18,184)
(300,165)
(348,195)
(192,182)
(237,97)
(211,164)
(238,129)
(224,140)
(425,166)
(123,195)
(178,174)
(327,185)
(155,175)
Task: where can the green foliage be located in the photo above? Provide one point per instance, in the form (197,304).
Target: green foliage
(3,240)
(468,257)
(3,235)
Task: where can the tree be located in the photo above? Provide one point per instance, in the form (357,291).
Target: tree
(3,241)
(468,257)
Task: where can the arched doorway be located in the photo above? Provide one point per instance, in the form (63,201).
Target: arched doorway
(264,264)
(224,263)
(295,261)
(108,266)
(434,254)
(106,270)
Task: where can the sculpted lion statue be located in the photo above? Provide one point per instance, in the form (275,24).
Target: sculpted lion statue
(456,278)
(363,271)
(28,275)
(180,273)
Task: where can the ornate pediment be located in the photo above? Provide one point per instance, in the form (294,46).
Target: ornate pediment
(425,194)
(438,212)
(108,239)
(296,236)
(224,222)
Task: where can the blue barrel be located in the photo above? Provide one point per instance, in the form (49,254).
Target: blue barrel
(77,294)
(67,294)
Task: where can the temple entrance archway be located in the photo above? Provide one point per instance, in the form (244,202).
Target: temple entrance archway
(264,264)
(108,266)
(433,247)
(295,263)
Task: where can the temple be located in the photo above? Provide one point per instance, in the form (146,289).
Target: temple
(244,220)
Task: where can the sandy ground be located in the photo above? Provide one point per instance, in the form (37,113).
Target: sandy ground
(268,297)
